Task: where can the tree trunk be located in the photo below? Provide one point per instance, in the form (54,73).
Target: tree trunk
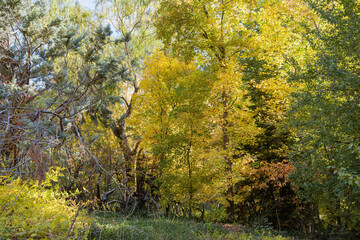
(229,194)
(190,180)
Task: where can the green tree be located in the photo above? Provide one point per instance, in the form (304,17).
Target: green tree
(325,113)
(132,23)
(277,38)
(51,74)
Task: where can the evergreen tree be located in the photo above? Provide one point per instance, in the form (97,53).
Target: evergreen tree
(52,72)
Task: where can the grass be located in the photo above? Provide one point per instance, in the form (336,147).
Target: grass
(111,225)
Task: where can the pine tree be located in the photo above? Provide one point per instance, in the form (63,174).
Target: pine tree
(52,72)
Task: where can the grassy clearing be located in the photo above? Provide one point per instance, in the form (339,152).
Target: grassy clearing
(114,226)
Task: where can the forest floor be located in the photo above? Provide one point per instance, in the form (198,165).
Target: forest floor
(113,226)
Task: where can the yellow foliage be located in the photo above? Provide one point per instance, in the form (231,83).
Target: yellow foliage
(29,211)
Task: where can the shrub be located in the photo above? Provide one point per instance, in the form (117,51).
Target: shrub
(31,211)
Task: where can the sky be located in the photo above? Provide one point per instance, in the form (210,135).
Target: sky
(90,4)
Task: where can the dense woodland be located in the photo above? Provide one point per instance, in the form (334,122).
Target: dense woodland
(222,111)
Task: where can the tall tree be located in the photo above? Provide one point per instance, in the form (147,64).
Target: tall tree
(326,114)
(50,75)
(132,23)
(245,45)
(277,38)
(170,116)
(210,30)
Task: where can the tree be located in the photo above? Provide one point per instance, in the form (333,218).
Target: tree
(51,74)
(132,23)
(277,38)
(170,117)
(245,45)
(210,31)
(325,114)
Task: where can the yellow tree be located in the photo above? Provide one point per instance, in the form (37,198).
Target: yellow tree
(222,34)
(210,30)
(170,116)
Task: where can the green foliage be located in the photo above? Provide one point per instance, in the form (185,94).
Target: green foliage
(325,113)
(54,69)
(51,72)
(198,128)
(112,225)
(263,235)
(30,211)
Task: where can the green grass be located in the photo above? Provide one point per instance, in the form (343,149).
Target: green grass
(114,226)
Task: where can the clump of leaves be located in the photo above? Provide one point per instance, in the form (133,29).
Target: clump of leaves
(31,211)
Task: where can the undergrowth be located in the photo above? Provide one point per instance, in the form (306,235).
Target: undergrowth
(32,211)
(111,225)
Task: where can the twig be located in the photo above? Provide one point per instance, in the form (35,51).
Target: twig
(122,190)
(73,222)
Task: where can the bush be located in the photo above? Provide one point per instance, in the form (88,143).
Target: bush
(30,211)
